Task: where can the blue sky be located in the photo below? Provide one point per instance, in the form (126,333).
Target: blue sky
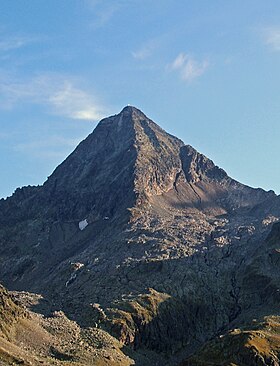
(206,71)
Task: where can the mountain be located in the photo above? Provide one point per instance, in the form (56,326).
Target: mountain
(145,239)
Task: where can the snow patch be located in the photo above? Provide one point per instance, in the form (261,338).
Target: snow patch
(83,224)
(71,279)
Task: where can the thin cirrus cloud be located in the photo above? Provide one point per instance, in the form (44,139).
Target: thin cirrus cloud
(103,11)
(188,67)
(74,103)
(9,43)
(271,37)
(145,51)
(60,95)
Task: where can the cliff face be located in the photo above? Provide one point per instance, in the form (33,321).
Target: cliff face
(144,237)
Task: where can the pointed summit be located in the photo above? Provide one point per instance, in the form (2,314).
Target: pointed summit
(127,155)
(129,116)
(129,113)
(129,161)
(129,110)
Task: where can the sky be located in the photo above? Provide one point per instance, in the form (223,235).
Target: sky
(206,71)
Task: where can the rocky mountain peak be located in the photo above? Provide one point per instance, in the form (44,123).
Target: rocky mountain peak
(143,237)
(128,117)
(131,111)
(126,161)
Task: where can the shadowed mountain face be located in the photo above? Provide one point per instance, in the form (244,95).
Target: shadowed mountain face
(142,236)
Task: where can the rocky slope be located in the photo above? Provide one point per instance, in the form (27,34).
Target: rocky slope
(27,338)
(142,237)
(255,345)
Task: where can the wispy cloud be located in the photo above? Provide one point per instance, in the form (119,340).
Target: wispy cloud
(74,102)
(8,43)
(146,50)
(271,37)
(59,94)
(104,10)
(188,67)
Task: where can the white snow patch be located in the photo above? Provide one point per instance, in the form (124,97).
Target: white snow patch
(71,279)
(83,224)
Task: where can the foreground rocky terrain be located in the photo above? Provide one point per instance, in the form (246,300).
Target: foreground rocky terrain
(27,338)
(139,250)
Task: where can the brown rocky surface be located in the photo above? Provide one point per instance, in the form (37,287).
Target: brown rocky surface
(258,345)
(27,338)
(141,239)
